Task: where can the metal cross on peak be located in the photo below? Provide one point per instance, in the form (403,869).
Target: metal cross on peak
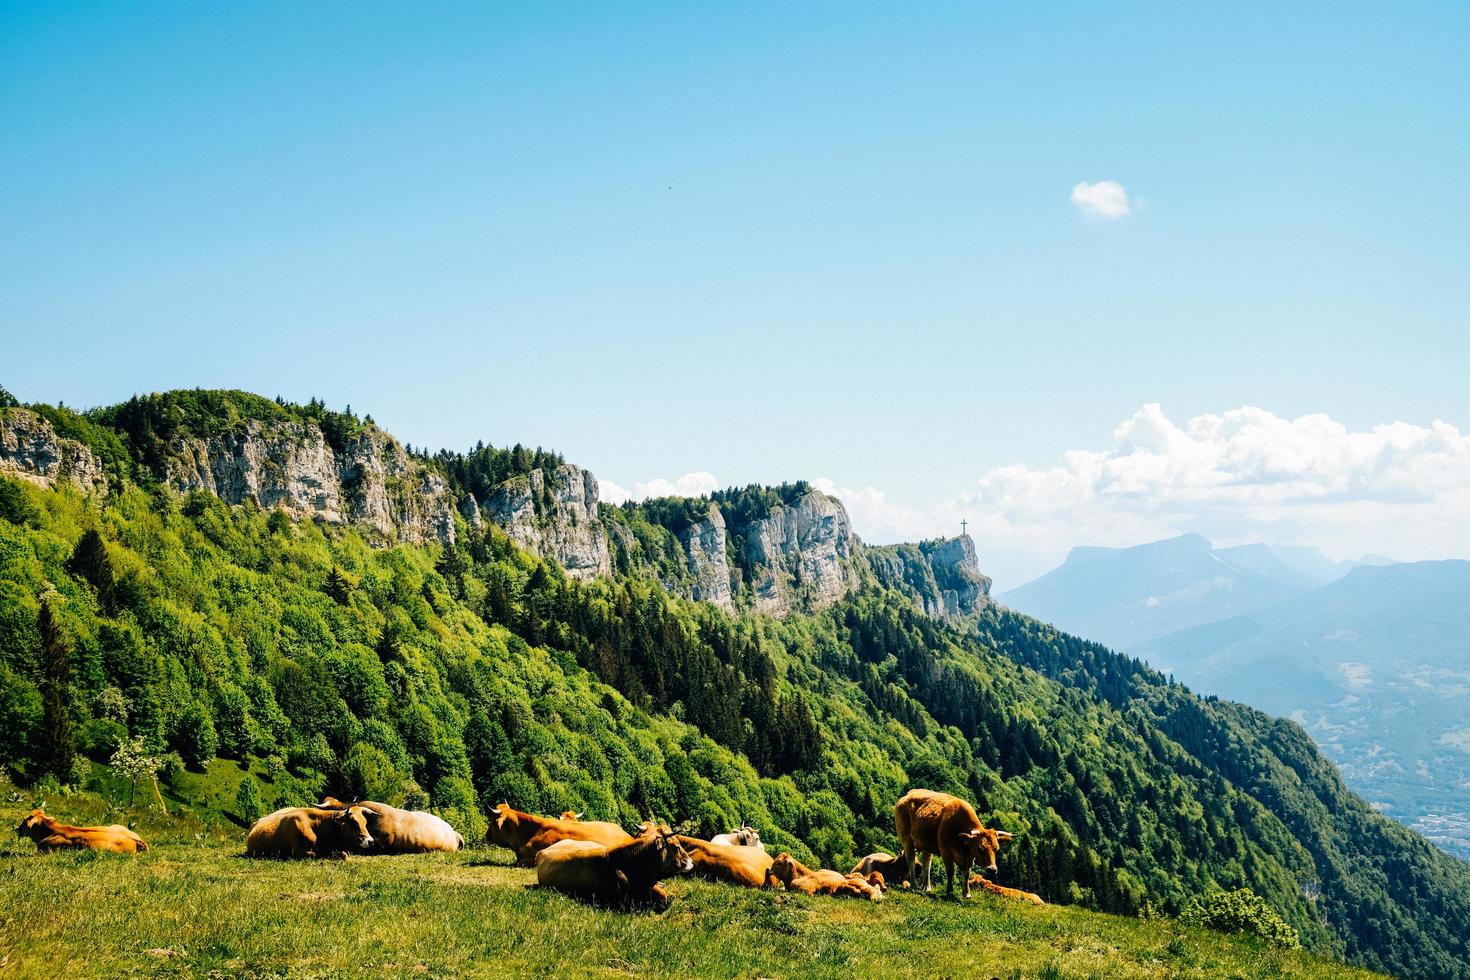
(963,525)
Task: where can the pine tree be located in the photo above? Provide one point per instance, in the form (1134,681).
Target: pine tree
(90,560)
(57,674)
(338,587)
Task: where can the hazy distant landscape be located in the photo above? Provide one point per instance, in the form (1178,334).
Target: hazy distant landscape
(1371,657)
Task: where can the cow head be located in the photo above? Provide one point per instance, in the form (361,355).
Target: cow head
(569,815)
(673,859)
(353,822)
(783,869)
(37,818)
(332,803)
(501,821)
(986,842)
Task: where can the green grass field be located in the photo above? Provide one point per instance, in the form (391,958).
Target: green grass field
(194,906)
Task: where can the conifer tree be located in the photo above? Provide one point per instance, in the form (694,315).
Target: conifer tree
(57,675)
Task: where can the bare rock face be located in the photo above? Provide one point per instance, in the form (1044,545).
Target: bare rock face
(801,555)
(290,466)
(942,576)
(554,514)
(709,565)
(31,450)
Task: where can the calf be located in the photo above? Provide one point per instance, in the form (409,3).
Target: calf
(745,866)
(744,837)
(798,877)
(528,834)
(396,831)
(50,835)
(892,868)
(302,832)
(932,823)
(626,874)
(1004,892)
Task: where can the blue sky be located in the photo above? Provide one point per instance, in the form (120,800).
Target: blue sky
(763,241)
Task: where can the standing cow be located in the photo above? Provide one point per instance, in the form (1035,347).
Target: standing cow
(932,823)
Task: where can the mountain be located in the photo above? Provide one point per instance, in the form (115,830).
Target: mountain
(1125,596)
(291,590)
(1375,666)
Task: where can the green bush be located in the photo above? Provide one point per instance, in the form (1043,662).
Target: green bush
(1241,911)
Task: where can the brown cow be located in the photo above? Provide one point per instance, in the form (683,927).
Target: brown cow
(798,877)
(304,831)
(527,834)
(1005,892)
(892,868)
(398,831)
(733,863)
(50,835)
(932,823)
(627,874)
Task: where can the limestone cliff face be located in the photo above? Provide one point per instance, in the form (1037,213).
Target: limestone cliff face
(554,513)
(943,577)
(800,555)
(31,450)
(705,545)
(371,482)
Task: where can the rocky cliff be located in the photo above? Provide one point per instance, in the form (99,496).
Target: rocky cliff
(370,481)
(31,450)
(554,513)
(800,556)
(942,576)
(775,550)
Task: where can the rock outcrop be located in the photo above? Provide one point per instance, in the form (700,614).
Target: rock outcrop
(31,450)
(554,513)
(942,576)
(372,482)
(705,547)
(800,556)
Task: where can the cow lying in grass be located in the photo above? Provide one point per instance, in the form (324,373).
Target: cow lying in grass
(737,865)
(303,832)
(744,837)
(51,835)
(396,831)
(624,875)
(528,834)
(932,823)
(1004,892)
(892,868)
(798,877)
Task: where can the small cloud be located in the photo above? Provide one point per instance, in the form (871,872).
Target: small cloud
(610,493)
(1104,199)
(699,484)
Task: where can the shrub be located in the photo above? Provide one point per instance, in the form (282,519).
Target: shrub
(1241,911)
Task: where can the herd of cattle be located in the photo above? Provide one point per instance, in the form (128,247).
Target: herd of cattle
(601,861)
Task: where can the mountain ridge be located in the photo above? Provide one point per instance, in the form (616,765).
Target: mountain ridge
(470,671)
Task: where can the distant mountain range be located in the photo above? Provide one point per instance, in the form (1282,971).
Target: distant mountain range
(1371,657)
(1126,596)
(1376,666)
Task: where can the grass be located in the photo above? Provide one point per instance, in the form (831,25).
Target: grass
(194,906)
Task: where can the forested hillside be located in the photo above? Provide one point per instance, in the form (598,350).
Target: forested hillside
(466,671)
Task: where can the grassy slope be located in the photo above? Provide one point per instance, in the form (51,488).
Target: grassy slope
(193,905)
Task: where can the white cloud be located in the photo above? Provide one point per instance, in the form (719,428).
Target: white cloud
(700,484)
(1244,475)
(1104,199)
